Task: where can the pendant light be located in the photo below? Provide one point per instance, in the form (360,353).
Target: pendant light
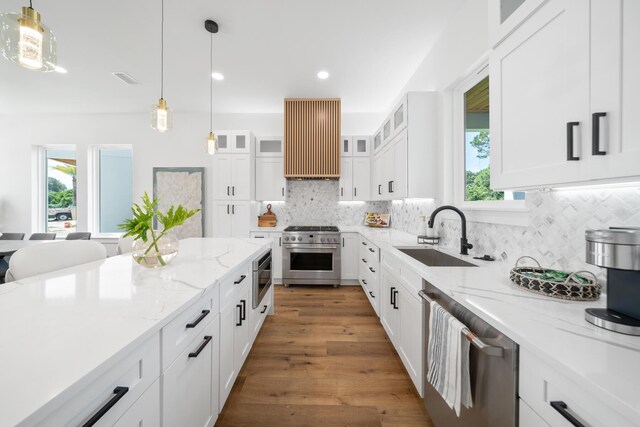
(160,113)
(25,40)
(212,144)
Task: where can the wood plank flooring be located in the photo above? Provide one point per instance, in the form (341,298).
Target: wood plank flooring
(323,360)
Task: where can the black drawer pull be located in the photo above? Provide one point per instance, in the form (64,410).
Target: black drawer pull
(371,250)
(237,282)
(364,243)
(228,193)
(118,393)
(372,270)
(233,190)
(393,296)
(364,260)
(239,322)
(395,299)
(364,281)
(379,189)
(264,309)
(595,134)
(198,320)
(243,312)
(570,126)
(562,408)
(372,295)
(196,353)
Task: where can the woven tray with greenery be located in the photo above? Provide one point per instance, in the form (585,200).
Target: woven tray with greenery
(578,286)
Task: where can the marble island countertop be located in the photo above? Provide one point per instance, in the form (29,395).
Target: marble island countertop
(60,330)
(600,361)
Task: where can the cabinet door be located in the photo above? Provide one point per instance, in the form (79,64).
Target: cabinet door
(346,179)
(377,188)
(276,257)
(400,116)
(400,175)
(241,142)
(270,146)
(361,146)
(222,176)
(388,172)
(377,141)
(241,174)
(224,141)
(187,383)
(346,146)
(349,256)
(361,179)
(242,330)
(145,411)
(270,181)
(240,219)
(387,130)
(411,324)
(229,317)
(389,306)
(222,219)
(539,83)
(615,67)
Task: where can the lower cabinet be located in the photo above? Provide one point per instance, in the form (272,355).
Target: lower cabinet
(390,308)
(259,314)
(145,411)
(349,256)
(188,384)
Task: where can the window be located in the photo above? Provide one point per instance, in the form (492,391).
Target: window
(61,185)
(112,194)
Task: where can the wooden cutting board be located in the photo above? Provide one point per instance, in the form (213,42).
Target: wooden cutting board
(267,219)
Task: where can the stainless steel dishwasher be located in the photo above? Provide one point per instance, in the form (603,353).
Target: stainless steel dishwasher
(493,367)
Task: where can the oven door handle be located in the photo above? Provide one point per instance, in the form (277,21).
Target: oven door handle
(310,248)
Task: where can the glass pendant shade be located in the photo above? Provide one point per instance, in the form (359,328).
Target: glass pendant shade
(26,41)
(161,116)
(212,144)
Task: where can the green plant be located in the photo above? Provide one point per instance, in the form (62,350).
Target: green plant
(140,227)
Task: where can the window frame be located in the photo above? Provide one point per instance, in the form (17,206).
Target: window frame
(512,212)
(94,187)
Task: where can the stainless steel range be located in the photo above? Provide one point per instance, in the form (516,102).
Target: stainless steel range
(311,255)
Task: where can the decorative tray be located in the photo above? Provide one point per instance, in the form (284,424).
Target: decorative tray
(577,286)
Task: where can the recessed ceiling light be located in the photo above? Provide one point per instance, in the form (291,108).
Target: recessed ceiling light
(323,75)
(217,76)
(60,69)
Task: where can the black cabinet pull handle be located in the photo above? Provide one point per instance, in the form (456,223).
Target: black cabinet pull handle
(395,299)
(364,260)
(228,191)
(562,409)
(595,134)
(233,209)
(227,209)
(233,190)
(364,243)
(379,189)
(196,353)
(389,187)
(570,155)
(118,393)
(371,250)
(264,309)
(372,295)
(341,191)
(372,270)
(237,282)
(239,322)
(258,237)
(393,296)
(243,311)
(364,281)
(393,185)
(198,320)
(343,242)
(355,192)
(279,241)
(282,191)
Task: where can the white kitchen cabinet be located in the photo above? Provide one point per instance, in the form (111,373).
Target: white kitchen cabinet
(346,146)
(349,256)
(394,167)
(369,271)
(389,306)
(145,411)
(231,218)
(400,116)
(346,179)
(270,181)
(411,333)
(188,383)
(276,257)
(377,141)
(562,90)
(377,177)
(506,15)
(361,178)
(233,177)
(361,146)
(258,315)
(234,141)
(527,417)
(270,146)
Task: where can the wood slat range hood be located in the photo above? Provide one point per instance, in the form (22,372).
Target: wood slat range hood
(312,138)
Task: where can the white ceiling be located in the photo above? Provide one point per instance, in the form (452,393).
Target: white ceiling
(267,50)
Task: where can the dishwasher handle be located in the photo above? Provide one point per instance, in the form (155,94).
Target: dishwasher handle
(477,342)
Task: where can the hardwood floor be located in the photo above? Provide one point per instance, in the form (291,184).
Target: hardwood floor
(324,360)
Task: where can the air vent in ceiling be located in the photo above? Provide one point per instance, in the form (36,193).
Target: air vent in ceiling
(125,78)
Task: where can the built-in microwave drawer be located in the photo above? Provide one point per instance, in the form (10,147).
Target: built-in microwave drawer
(553,396)
(110,395)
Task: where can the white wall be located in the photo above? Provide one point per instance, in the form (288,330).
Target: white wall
(184,146)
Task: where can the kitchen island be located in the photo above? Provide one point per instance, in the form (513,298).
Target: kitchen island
(64,332)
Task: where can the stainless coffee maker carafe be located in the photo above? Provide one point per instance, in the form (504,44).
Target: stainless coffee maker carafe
(617,250)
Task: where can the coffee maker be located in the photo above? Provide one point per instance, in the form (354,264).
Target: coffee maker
(617,250)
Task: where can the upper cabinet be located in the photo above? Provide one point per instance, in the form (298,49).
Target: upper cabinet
(346,146)
(506,15)
(237,142)
(405,163)
(562,96)
(361,146)
(270,146)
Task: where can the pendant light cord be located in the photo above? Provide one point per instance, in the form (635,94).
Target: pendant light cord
(162,51)
(211,88)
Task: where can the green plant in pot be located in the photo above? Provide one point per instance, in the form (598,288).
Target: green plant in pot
(154,248)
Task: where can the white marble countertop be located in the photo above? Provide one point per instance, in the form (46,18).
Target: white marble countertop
(60,330)
(603,362)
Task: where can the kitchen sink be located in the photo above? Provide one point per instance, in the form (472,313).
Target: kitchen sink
(434,258)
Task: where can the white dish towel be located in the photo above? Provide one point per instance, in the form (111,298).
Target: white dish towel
(448,355)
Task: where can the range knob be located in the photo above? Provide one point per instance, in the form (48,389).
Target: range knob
(299,238)
(286,239)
